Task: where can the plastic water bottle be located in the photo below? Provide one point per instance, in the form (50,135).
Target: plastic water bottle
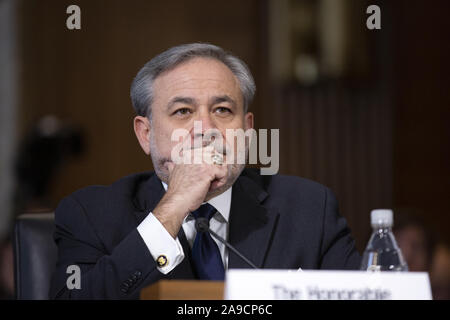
(382,252)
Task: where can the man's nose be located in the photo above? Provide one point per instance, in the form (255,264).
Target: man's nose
(205,121)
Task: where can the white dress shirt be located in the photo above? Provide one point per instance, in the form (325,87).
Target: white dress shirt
(160,242)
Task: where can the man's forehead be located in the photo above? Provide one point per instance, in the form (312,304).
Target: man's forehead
(198,73)
(198,76)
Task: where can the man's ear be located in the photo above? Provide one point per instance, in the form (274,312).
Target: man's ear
(142,131)
(248,120)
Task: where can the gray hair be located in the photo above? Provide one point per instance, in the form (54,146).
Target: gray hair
(142,86)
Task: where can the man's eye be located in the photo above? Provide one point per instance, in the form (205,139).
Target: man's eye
(182,111)
(223,110)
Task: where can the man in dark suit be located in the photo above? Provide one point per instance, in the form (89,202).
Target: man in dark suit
(141,229)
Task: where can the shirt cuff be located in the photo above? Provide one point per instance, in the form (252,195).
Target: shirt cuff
(160,243)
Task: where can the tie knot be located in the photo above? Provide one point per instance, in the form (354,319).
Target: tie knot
(204,211)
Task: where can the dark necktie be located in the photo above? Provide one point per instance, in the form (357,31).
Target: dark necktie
(205,252)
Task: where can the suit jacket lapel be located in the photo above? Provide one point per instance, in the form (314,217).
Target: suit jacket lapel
(148,195)
(251,224)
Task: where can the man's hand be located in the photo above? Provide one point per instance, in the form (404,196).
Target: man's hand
(188,186)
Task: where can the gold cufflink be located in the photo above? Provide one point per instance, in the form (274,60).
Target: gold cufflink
(162,261)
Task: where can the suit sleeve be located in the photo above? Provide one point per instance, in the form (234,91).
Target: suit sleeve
(119,274)
(338,247)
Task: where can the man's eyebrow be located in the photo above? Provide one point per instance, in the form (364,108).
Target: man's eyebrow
(183,100)
(219,99)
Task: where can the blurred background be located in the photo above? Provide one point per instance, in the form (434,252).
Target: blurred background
(365,112)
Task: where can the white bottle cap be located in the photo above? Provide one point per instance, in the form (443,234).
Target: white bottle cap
(381,217)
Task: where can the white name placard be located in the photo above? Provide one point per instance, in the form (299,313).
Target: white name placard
(245,284)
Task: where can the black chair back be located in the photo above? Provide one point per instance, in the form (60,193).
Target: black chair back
(34,255)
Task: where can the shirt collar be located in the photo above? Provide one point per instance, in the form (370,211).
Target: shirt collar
(222,202)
